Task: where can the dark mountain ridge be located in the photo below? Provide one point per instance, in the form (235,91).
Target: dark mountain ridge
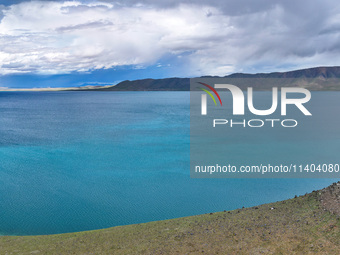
(315,72)
(316,78)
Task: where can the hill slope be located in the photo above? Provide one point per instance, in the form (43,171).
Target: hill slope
(168,84)
(296,226)
(311,73)
(318,78)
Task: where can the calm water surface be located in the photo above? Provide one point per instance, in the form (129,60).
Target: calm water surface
(72,161)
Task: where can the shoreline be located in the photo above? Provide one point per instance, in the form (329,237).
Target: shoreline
(53,89)
(308,223)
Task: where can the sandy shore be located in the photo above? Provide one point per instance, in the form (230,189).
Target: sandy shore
(2,89)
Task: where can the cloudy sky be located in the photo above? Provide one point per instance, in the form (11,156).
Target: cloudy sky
(71,43)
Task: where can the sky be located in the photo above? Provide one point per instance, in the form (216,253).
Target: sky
(84,42)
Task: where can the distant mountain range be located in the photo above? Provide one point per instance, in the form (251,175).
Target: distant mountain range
(310,73)
(168,84)
(317,78)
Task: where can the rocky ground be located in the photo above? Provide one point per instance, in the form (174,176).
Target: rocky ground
(308,224)
(330,198)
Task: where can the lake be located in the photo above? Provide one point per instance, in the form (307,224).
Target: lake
(74,161)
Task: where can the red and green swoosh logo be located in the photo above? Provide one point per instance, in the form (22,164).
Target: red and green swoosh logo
(209,93)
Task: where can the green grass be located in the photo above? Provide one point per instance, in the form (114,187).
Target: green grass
(295,226)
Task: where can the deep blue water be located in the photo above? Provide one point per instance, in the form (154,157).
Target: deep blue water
(72,161)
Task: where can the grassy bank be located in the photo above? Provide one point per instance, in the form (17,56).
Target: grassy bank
(300,225)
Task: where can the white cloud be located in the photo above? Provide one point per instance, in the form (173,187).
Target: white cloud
(61,37)
(54,37)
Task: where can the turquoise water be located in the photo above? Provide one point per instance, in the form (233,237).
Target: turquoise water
(73,161)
